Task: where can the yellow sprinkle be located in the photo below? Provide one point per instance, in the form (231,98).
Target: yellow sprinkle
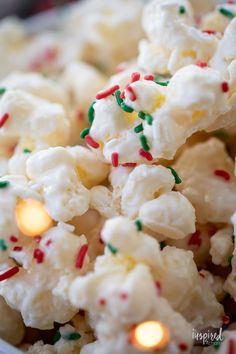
(130,117)
(189,53)
(159,101)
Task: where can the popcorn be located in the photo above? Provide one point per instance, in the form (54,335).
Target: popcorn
(207,174)
(12,328)
(218,20)
(34,291)
(170,30)
(222,246)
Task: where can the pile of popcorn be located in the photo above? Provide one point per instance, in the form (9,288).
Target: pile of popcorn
(118,178)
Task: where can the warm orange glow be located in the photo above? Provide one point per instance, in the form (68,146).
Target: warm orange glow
(32,217)
(150,335)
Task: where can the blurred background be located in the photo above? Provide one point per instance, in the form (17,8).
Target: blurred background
(25,8)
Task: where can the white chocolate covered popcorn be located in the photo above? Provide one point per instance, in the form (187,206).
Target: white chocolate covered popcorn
(208,181)
(173,41)
(34,291)
(219,19)
(222,246)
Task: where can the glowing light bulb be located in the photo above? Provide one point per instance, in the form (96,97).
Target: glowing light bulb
(150,335)
(32,217)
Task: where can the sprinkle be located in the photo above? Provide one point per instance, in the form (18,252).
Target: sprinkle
(148,119)
(81,256)
(121,103)
(4,119)
(38,238)
(195,239)
(108,92)
(138,225)
(124,296)
(141,115)
(48,243)
(111,248)
(118,97)
(102,302)
(201,64)
(4,184)
(217,345)
(223,174)
(91,113)
(225,86)
(133,96)
(3,246)
(226,319)
(57,337)
(229,259)
(138,128)
(72,336)
(135,77)
(162,83)
(84,132)
(2,90)
(129,164)
(27,151)
(17,249)
(144,143)
(91,142)
(13,238)
(231,346)
(183,347)
(209,31)
(145,154)
(115,159)
(9,273)
(149,77)
(158,286)
(122,95)
(182,10)
(175,174)
(38,255)
(162,245)
(126,108)
(226,12)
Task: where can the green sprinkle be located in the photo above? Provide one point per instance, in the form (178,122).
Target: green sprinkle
(84,132)
(233,239)
(162,245)
(217,345)
(141,115)
(144,143)
(57,337)
(72,336)
(182,10)
(112,248)
(122,104)
(148,119)
(139,128)
(2,90)
(176,176)
(229,259)
(226,12)
(27,151)
(139,225)
(162,83)
(4,184)
(3,246)
(91,113)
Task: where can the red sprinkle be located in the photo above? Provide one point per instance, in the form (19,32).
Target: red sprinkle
(81,256)
(201,63)
(13,238)
(108,92)
(17,249)
(226,319)
(122,95)
(133,96)
(38,255)
(4,119)
(91,142)
(38,238)
(124,296)
(183,347)
(102,302)
(9,273)
(48,243)
(115,159)
(149,77)
(231,346)
(135,77)
(158,286)
(223,174)
(225,86)
(129,164)
(145,154)
(195,239)
(230,2)
(209,31)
